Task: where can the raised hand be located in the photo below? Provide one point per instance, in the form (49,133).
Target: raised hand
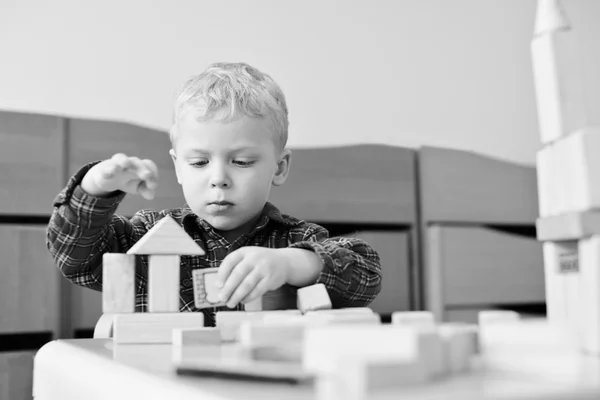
(120,172)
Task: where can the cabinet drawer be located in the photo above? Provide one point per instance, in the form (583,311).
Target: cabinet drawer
(478,265)
(31,161)
(393,249)
(16,375)
(29,288)
(99,140)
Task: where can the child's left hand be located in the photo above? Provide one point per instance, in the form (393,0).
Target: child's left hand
(248,272)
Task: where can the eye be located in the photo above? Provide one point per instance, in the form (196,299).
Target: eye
(242,163)
(198,164)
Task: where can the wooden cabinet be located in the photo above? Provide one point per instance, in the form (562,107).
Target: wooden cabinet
(31,162)
(16,375)
(472,266)
(352,184)
(98,140)
(394,252)
(29,288)
(466,265)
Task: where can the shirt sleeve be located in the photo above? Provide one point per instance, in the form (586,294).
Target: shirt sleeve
(351,267)
(83,227)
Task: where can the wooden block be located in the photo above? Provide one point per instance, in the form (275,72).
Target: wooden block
(206,291)
(153,327)
(581,149)
(314,297)
(497,317)
(544,167)
(561,263)
(196,336)
(104,327)
(589,301)
(459,347)
(559,92)
(118,283)
(423,319)
(323,344)
(260,333)
(166,237)
(343,319)
(229,321)
(163,283)
(360,377)
(291,353)
(568,226)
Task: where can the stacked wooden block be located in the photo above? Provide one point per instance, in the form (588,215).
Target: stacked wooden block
(163,244)
(568,182)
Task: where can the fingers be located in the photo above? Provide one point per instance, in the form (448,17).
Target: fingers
(235,279)
(248,285)
(132,175)
(259,289)
(227,265)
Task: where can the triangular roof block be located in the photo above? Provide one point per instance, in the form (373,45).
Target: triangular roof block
(166,237)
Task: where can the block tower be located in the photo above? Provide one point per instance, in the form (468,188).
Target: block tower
(163,244)
(568,167)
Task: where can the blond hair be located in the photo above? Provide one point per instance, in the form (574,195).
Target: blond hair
(227,91)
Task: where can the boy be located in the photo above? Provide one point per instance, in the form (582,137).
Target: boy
(228,139)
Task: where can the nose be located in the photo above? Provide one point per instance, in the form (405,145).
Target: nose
(219,177)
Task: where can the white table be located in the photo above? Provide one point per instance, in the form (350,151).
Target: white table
(93,369)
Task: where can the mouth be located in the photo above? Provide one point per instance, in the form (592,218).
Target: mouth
(221,203)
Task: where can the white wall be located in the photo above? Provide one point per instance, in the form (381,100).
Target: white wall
(403,72)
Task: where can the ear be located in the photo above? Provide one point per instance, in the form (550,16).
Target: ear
(283,167)
(174,158)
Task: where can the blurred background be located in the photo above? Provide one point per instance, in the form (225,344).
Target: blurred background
(450,73)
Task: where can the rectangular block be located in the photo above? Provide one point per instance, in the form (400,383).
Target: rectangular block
(545,176)
(313,297)
(589,301)
(573,170)
(361,377)
(343,319)
(559,92)
(260,333)
(323,344)
(196,336)
(561,263)
(229,321)
(163,283)
(459,346)
(423,319)
(118,283)
(568,226)
(153,327)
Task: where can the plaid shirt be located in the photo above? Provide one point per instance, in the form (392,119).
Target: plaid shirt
(83,227)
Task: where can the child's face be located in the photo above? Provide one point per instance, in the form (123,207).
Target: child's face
(226,169)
